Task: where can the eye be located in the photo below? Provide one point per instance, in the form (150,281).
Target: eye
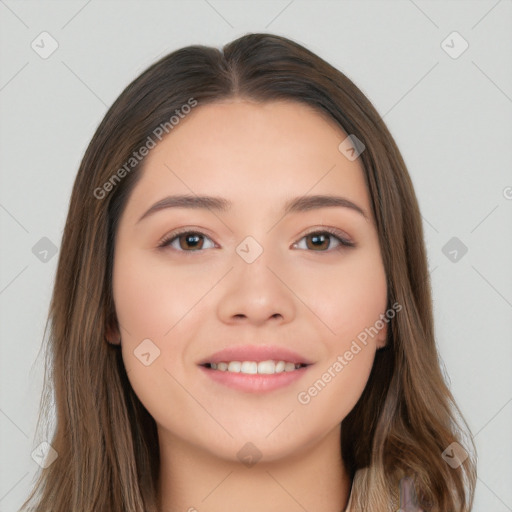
(185,241)
(320,241)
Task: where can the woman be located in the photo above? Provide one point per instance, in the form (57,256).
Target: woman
(242,315)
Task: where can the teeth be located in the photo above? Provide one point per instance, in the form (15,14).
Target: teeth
(234,366)
(252,367)
(280,366)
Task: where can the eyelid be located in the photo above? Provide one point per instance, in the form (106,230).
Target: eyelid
(336,232)
(164,241)
(343,238)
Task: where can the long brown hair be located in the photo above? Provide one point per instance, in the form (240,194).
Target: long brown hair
(106,441)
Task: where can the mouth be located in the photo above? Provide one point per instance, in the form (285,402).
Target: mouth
(268,367)
(253,376)
(254,368)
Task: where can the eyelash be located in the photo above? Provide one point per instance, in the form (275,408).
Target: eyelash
(344,243)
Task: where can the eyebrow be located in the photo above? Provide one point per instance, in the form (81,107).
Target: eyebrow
(298,204)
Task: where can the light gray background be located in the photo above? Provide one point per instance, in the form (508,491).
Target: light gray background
(451,118)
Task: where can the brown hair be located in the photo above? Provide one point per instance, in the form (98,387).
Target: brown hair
(108,457)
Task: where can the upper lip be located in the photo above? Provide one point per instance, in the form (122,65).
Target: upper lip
(255,353)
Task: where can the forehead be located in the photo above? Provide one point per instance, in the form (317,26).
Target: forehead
(251,153)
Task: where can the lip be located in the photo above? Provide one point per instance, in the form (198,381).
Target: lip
(254,383)
(256,353)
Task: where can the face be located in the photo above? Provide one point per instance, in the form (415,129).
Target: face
(309,280)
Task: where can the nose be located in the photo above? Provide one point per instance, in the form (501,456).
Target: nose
(256,293)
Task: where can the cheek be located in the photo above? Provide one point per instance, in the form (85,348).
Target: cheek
(348,298)
(154,303)
(152,297)
(157,302)
(332,391)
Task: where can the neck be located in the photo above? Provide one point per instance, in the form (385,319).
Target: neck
(192,479)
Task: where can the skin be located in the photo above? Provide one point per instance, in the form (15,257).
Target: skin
(192,304)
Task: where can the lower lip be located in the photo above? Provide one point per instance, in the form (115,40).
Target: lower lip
(255,383)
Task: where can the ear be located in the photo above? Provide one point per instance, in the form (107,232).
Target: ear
(112,333)
(381,339)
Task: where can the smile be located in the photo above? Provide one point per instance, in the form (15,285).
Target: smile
(253,367)
(254,377)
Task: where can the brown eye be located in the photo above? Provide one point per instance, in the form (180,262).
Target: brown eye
(323,241)
(318,241)
(190,241)
(187,241)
